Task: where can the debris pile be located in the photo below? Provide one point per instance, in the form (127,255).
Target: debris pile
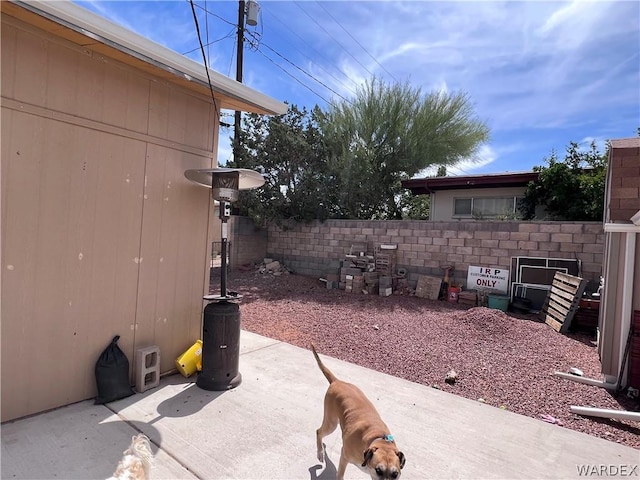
(376,272)
(370,273)
(273,267)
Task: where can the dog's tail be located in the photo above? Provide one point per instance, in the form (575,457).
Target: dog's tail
(327,373)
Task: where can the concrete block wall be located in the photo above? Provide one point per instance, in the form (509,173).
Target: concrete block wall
(248,242)
(423,246)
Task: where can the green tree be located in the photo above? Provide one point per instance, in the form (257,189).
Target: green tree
(572,189)
(391,132)
(289,151)
(415,207)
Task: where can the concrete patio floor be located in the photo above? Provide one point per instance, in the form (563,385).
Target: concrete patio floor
(265,429)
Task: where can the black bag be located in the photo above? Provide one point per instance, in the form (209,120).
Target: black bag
(112,374)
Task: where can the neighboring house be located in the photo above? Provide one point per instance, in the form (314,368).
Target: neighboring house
(484,196)
(102,234)
(620,305)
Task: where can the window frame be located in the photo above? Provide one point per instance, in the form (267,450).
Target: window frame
(514,209)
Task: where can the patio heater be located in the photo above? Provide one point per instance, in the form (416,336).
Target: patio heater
(221,324)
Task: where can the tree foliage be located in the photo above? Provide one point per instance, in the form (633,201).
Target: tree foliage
(388,133)
(415,207)
(289,151)
(348,162)
(571,190)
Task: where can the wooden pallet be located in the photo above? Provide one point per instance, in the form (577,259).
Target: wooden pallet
(428,287)
(468,297)
(563,301)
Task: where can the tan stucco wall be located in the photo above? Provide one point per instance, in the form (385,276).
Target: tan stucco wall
(101,232)
(441,208)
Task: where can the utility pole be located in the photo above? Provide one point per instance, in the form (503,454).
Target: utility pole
(251,15)
(239,60)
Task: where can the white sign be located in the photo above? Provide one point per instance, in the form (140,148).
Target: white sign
(488,278)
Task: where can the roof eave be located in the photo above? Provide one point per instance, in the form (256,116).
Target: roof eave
(421,186)
(99,29)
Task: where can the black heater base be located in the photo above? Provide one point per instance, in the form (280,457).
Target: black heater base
(220,347)
(208,383)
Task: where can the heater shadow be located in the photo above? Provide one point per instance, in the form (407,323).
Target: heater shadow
(189,401)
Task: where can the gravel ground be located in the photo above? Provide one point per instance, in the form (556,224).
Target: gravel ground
(507,360)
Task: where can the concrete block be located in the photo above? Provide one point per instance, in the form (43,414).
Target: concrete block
(385,292)
(147,368)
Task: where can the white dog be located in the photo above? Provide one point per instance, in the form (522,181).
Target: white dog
(136,460)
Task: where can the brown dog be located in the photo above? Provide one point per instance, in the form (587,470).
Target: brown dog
(366,441)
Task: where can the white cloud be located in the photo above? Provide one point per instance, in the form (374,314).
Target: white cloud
(571,25)
(536,71)
(529,63)
(486,155)
(600,142)
(225,152)
(440,86)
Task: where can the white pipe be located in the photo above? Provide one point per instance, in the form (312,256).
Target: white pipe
(605,413)
(586,380)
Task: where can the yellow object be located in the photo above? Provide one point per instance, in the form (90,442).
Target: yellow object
(191,360)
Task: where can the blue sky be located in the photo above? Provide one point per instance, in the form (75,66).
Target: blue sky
(539,73)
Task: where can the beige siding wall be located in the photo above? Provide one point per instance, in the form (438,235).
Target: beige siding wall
(101,232)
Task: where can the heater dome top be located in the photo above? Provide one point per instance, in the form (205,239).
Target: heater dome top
(247,180)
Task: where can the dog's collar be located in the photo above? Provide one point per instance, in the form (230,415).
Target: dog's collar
(387,437)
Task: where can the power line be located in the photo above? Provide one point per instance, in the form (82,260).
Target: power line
(229,35)
(354,39)
(305,72)
(204,57)
(214,14)
(333,38)
(296,79)
(257,39)
(233,55)
(255,45)
(318,54)
(206,29)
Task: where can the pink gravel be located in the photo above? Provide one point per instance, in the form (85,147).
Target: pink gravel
(507,360)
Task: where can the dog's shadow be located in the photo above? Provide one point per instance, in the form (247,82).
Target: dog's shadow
(329,473)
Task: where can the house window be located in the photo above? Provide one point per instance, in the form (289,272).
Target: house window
(463,207)
(485,207)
